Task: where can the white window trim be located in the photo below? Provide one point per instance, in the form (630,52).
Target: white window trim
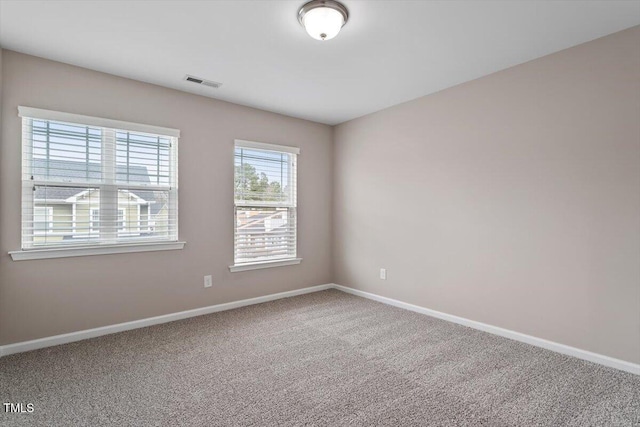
(264,264)
(241,143)
(38,113)
(65,252)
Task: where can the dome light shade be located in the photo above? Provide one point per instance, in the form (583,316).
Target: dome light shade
(323,23)
(323,19)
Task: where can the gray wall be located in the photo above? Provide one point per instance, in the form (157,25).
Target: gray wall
(512,200)
(47,297)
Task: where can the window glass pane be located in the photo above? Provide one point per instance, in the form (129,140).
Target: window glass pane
(142,158)
(42,218)
(66,152)
(263,234)
(263,176)
(65,215)
(144,214)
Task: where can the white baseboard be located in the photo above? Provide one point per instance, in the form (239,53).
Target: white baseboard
(539,342)
(111,329)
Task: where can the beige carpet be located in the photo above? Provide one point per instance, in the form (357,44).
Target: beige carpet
(326,358)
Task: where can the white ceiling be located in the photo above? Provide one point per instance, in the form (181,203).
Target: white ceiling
(389,51)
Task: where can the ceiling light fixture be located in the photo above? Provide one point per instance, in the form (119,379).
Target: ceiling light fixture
(323,19)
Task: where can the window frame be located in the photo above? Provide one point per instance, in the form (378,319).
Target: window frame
(291,206)
(103,246)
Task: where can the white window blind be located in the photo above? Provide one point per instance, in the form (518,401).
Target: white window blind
(88,181)
(265,202)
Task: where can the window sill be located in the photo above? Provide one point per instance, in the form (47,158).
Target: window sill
(30,254)
(265,264)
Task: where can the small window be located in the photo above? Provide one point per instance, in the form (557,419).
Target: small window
(94,221)
(88,181)
(121,220)
(265,203)
(42,220)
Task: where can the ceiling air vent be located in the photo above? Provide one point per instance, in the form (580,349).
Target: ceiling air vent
(203,82)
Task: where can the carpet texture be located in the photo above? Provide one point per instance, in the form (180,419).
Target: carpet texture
(326,358)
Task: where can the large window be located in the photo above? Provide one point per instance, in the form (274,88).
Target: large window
(91,182)
(265,203)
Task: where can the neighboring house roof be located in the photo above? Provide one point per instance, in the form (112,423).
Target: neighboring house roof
(88,171)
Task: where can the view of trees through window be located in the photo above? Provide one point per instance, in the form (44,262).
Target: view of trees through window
(256,186)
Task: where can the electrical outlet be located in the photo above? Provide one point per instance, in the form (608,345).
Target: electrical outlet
(383,273)
(208,281)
